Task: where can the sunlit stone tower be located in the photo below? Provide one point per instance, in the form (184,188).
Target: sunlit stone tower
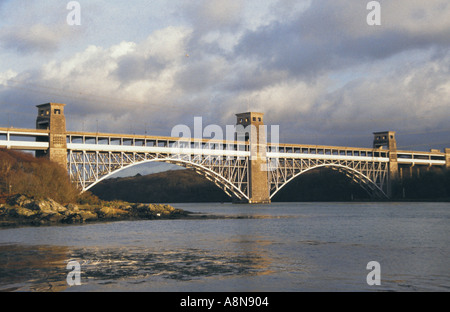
(51,117)
(253,126)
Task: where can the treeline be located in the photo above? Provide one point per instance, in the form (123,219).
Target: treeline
(172,186)
(430,186)
(322,184)
(187,186)
(22,173)
(317,185)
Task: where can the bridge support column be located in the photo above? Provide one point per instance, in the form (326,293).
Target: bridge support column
(51,117)
(387,139)
(250,126)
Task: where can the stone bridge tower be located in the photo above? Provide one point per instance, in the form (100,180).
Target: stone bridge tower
(51,117)
(386,139)
(250,126)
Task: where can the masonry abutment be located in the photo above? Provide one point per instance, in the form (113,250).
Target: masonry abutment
(386,139)
(252,124)
(51,117)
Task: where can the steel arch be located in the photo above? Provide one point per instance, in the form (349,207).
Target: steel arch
(365,182)
(226,185)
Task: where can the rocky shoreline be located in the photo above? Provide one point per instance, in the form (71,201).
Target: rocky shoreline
(20,210)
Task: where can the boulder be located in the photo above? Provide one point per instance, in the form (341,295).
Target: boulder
(72,207)
(48,206)
(19,200)
(110,213)
(21,212)
(87,215)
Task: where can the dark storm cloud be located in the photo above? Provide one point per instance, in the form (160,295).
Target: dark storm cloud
(331,36)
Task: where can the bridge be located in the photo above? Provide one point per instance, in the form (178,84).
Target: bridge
(250,170)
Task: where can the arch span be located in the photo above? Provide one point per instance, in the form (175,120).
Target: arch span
(364,181)
(227,186)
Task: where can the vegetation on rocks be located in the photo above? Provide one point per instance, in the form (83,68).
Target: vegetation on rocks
(22,173)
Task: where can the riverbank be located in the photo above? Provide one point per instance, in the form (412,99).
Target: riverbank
(21,210)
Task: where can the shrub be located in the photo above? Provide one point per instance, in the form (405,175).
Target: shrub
(22,173)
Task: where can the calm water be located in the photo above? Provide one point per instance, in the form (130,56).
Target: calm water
(284,247)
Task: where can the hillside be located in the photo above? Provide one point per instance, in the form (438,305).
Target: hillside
(187,186)
(172,186)
(316,185)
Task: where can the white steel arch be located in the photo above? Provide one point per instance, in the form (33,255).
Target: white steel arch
(372,179)
(87,169)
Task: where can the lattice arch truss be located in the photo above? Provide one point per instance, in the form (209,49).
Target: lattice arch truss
(371,175)
(230,173)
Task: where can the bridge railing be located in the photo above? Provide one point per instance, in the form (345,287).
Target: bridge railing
(154,141)
(294,150)
(24,139)
(406,157)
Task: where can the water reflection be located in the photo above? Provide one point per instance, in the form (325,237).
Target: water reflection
(185,264)
(43,268)
(33,268)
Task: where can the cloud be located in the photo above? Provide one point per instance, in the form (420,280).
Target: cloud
(415,96)
(36,38)
(330,35)
(161,50)
(210,15)
(36,27)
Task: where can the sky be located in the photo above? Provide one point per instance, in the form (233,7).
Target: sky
(315,68)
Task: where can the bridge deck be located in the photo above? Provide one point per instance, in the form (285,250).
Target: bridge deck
(19,138)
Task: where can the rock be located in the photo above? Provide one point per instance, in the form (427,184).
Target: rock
(48,206)
(72,218)
(19,200)
(72,207)
(53,217)
(111,213)
(20,212)
(43,205)
(87,215)
(80,216)
(24,210)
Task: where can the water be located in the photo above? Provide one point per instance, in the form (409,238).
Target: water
(287,247)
